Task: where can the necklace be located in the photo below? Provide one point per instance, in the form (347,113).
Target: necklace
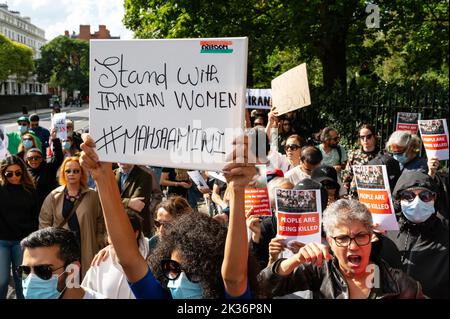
(70,198)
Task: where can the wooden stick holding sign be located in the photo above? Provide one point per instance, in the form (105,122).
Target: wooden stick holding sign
(290,91)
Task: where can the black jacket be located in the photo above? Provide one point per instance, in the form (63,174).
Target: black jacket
(261,250)
(327,282)
(19,213)
(45,175)
(421,250)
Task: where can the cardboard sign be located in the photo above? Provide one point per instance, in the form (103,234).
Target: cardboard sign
(171,103)
(3,142)
(259,99)
(435,138)
(299,215)
(59,123)
(257,195)
(407,122)
(290,91)
(373,191)
(198,178)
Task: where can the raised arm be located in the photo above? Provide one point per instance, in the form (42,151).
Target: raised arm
(116,220)
(234,266)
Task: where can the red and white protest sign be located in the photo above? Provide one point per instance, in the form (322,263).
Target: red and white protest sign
(435,138)
(299,215)
(257,195)
(408,122)
(373,191)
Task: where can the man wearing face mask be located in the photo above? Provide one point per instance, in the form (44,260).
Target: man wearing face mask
(42,133)
(14,138)
(404,148)
(420,247)
(50,266)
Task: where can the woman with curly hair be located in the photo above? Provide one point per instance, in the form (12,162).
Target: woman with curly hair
(18,218)
(193,269)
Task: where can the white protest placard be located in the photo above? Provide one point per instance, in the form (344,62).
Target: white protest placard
(59,123)
(290,90)
(299,215)
(434,135)
(407,122)
(259,99)
(3,142)
(197,178)
(171,103)
(373,189)
(218,176)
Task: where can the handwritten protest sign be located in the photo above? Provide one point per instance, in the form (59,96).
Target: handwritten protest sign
(290,91)
(171,103)
(259,99)
(299,215)
(197,178)
(59,123)
(373,191)
(3,142)
(407,122)
(435,138)
(257,195)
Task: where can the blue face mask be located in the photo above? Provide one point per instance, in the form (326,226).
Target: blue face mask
(417,211)
(37,288)
(67,145)
(27,144)
(182,288)
(22,129)
(401,158)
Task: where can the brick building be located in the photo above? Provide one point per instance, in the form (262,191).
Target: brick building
(85,33)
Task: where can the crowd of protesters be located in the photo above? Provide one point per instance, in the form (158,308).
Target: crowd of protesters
(72,227)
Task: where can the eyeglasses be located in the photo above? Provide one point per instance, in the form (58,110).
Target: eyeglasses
(366,137)
(361,239)
(172,270)
(11,174)
(44,272)
(27,139)
(34,158)
(425,196)
(70,171)
(292,147)
(159,224)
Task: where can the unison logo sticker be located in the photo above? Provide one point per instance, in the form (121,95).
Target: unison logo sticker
(216,46)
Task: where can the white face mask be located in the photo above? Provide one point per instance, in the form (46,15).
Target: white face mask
(417,211)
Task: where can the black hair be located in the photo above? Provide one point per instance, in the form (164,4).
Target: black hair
(136,222)
(69,250)
(311,155)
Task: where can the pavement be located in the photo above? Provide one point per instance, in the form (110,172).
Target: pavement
(41,112)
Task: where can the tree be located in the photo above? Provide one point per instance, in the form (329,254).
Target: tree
(15,58)
(65,63)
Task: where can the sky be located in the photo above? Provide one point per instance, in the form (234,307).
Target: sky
(56,16)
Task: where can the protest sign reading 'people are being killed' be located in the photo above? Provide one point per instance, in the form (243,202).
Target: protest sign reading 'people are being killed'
(171,103)
(290,90)
(373,190)
(259,99)
(257,195)
(60,126)
(434,135)
(299,215)
(407,122)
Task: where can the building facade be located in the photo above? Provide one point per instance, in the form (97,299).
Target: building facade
(20,29)
(85,33)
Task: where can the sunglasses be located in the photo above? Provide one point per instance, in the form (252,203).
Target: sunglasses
(44,272)
(70,171)
(11,174)
(425,196)
(366,137)
(292,147)
(172,270)
(34,158)
(159,224)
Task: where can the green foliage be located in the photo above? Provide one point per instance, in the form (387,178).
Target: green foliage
(65,63)
(15,58)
